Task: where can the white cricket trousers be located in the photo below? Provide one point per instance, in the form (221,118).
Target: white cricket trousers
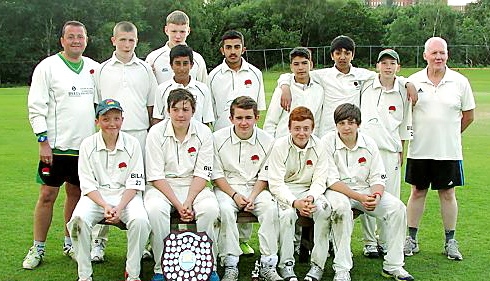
(159,208)
(393,215)
(391,161)
(333,218)
(266,211)
(87,214)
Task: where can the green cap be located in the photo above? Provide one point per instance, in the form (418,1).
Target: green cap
(107,105)
(389,52)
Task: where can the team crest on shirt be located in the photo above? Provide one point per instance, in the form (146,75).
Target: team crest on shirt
(122,166)
(361,161)
(248,83)
(91,71)
(392,108)
(191,151)
(254,158)
(309,163)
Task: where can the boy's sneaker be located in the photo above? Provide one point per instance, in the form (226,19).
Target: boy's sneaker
(88,279)
(451,250)
(398,274)
(214,276)
(33,258)
(231,273)
(269,273)
(371,251)
(69,252)
(246,249)
(411,246)
(314,274)
(158,277)
(287,272)
(97,253)
(342,276)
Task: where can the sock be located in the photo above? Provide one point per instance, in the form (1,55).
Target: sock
(40,246)
(269,260)
(412,232)
(67,240)
(231,261)
(449,234)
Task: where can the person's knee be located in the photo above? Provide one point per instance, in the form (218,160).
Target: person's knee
(418,193)
(48,195)
(447,194)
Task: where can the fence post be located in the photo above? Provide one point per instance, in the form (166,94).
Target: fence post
(282,58)
(265,61)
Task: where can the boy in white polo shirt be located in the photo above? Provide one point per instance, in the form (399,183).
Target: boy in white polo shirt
(129,80)
(304,90)
(181,62)
(387,115)
(240,179)
(297,179)
(177,29)
(179,161)
(354,167)
(112,181)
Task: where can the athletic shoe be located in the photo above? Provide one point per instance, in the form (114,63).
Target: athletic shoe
(269,273)
(147,252)
(69,252)
(246,249)
(382,250)
(158,277)
(314,274)
(411,246)
(231,274)
(398,274)
(33,258)
(214,276)
(370,251)
(342,276)
(88,279)
(451,250)
(127,278)
(287,272)
(97,253)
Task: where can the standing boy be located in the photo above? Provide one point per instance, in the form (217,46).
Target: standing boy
(179,161)
(112,181)
(240,179)
(354,167)
(61,113)
(177,29)
(388,120)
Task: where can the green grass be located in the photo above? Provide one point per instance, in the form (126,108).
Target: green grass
(18,194)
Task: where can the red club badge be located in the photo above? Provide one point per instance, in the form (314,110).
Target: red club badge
(191,151)
(309,163)
(92,71)
(392,108)
(254,158)
(122,165)
(361,161)
(248,83)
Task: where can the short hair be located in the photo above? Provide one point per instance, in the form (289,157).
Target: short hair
(177,17)
(300,52)
(232,34)
(181,51)
(430,40)
(124,26)
(244,102)
(183,95)
(347,111)
(301,113)
(72,23)
(342,42)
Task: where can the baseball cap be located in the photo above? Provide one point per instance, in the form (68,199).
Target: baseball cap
(388,52)
(107,105)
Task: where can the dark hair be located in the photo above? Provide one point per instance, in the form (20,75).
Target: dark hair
(342,42)
(72,23)
(182,95)
(181,51)
(347,111)
(232,34)
(301,113)
(244,102)
(300,52)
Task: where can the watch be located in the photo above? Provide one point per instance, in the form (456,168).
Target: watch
(42,138)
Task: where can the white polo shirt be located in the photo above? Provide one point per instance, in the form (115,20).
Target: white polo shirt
(167,158)
(360,167)
(226,84)
(386,114)
(159,60)
(437,116)
(291,167)
(132,84)
(110,172)
(204,106)
(241,162)
(61,102)
(309,95)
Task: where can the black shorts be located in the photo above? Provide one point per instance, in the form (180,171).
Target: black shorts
(439,174)
(64,169)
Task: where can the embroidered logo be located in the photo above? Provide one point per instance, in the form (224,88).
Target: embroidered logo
(122,165)
(192,151)
(248,83)
(392,108)
(254,158)
(309,163)
(361,161)
(45,171)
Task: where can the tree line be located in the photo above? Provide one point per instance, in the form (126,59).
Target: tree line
(30,29)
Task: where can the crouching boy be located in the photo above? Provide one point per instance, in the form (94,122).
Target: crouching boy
(112,179)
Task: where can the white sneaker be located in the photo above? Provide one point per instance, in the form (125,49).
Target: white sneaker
(269,273)
(97,253)
(231,273)
(287,272)
(33,258)
(342,276)
(451,250)
(69,252)
(315,273)
(371,251)
(398,274)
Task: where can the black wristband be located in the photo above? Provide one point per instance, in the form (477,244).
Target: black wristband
(233,196)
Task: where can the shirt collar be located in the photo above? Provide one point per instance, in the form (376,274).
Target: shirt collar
(311,143)
(100,144)
(301,85)
(169,129)
(235,139)
(339,144)
(245,66)
(192,83)
(338,73)
(115,60)
(377,85)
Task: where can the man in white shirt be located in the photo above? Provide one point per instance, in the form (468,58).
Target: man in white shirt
(177,29)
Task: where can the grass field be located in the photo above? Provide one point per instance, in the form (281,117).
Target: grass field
(18,194)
